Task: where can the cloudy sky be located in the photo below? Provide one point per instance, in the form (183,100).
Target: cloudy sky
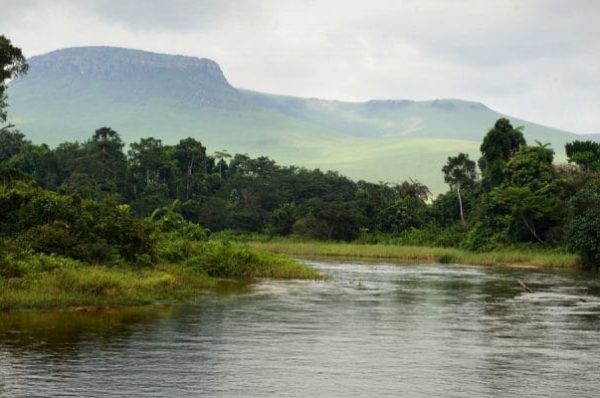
(535,59)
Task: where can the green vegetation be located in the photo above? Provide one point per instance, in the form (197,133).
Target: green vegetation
(512,256)
(12,64)
(397,139)
(57,282)
(87,224)
(60,251)
(187,268)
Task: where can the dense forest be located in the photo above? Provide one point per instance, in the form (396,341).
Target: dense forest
(521,195)
(101,199)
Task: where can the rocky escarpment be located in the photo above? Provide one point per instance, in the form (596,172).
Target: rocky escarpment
(114,62)
(135,76)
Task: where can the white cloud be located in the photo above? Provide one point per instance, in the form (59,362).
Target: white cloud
(536,60)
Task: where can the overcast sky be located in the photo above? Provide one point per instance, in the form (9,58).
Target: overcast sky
(538,60)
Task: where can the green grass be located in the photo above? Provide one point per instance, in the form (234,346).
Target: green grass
(187,269)
(421,254)
(224,260)
(99,286)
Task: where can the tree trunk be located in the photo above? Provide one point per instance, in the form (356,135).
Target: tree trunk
(531,229)
(189,178)
(460,203)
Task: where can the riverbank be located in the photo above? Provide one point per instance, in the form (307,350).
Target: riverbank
(524,257)
(188,269)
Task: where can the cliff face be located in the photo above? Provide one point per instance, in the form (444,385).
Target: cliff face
(135,76)
(115,62)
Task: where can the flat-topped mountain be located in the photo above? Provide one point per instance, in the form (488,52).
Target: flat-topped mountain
(134,76)
(111,62)
(69,93)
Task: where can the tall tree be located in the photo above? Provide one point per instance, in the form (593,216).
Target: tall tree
(585,154)
(413,189)
(147,158)
(584,226)
(12,64)
(106,153)
(531,191)
(460,172)
(222,155)
(191,156)
(499,145)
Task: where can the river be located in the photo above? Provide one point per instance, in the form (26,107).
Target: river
(368,330)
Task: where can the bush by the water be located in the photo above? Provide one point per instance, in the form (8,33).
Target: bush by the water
(49,222)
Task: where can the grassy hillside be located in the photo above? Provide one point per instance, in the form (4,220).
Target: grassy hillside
(69,93)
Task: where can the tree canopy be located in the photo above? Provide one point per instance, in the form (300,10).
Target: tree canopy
(12,64)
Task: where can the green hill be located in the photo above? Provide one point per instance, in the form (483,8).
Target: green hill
(69,93)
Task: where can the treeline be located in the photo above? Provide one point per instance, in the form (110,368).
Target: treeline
(514,194)
(95,200)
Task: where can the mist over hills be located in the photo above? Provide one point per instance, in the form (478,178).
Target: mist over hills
(69,93)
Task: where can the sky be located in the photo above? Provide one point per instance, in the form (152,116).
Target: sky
(537,59)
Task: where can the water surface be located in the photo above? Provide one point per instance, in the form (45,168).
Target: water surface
(369,330)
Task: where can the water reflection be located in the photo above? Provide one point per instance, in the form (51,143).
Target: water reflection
(60,334)
(370,330)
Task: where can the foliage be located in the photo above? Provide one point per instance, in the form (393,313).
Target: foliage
(532,194)
(585,154)
(584,226)
(12,64)
(461,174)
(180,187)
(49,222)
(460,171)
(224,260)
(499,145)
(89,201)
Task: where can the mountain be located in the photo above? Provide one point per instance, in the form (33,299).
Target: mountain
(69,93)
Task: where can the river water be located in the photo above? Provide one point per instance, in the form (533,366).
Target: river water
(369,330)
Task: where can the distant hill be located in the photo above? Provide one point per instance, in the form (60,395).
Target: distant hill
(69,93)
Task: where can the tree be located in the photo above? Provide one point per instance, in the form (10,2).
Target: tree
(104,161)
(460,172)
(407,209)
(413,189)
(531,191)
(499,145)
(12,64)
(584,226)
(191,156)
(222,155)
(585,154)
(11,143)
(148,165)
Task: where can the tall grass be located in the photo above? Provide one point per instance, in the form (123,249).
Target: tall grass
(96,285)
(525,256)
(225,260)
(187,268)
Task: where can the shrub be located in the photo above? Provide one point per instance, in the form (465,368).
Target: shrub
(584,228)
(48,222)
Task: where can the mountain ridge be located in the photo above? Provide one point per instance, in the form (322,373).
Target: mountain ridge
(70,92)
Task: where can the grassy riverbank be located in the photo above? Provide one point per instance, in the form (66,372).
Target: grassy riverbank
(509,256)
(186,269)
